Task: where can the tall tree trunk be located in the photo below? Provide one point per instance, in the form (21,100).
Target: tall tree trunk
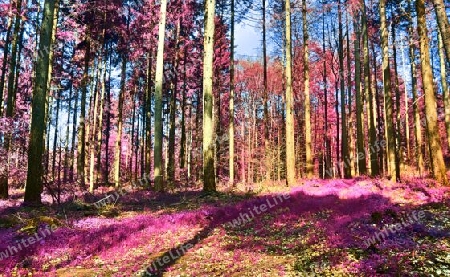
(173,108)
(183,114)
(417,121)
(445,89)
(118,143)
(81,155)
(231,100)
(374,167)
(308,146)
(55,135)
(74,134)
(66,143)
(209,178)
(344,141)
(267,160)
(444,25)
(33,188)
(132,142)
(351,162)
(158,170)
(290,147)
(5,61)
(362,166)
(327,142)
(148,114)
(98,143)
(11,97)
(387,92)
(439,169)
(398,135)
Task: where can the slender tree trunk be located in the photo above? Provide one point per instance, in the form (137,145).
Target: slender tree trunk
(308,146)
(209,178)
(74,134)
(173,108)
(327,159)
(417,121)
(351,162)
(55,135)
(158,170)
(445,89)
(344,141)
(33,188)
(398,135)
(231,100)
(387,92)
(377,106)
(98,144)
(183,145)
(108,125)
(81,155)
(362,167)
(290,147)
(5,62)
(118,143)
(444,25)
(11,97)
(267,159)
(66,144)
(439,169)
(132,137)
(148,115)
(374,166)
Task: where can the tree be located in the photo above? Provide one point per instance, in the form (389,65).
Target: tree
(444,25)
(209,178)
(369,92)
(362,168)
(33,188)
(158,172)
(231,104)
(391,145)
(344,134)
(308,150)
(290,144)
(438,164)
(417,121)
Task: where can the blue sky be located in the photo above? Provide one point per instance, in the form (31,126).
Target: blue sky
(247,40)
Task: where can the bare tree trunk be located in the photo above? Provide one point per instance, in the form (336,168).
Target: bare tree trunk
(439,169)
(308,146)
(148,115)
(344,146)
(231,100)
(445,89)
(390,130)
(5,60)
(81,155)
(444,25)
(173,107)
(374,166)
(362,167)
(327,159)
(398,136)
(417,121)
(158,171)
(183,114)
(290,147)
(209,178)
(118,144)
(33,188)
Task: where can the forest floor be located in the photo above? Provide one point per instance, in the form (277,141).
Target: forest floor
(357,227)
